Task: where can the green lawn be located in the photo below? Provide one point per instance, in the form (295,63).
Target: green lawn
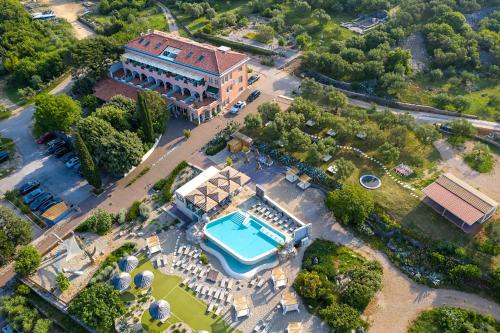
(184,306)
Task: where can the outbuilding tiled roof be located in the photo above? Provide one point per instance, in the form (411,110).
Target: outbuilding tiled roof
(193,54)
(459,198)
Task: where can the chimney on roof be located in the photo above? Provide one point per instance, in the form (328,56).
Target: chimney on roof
(224,49)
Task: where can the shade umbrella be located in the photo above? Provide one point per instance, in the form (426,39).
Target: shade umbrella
(121,281)
(128,264)
(144,279)
(159,310)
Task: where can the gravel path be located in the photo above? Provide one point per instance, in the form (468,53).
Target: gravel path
(172,26)
(453,162)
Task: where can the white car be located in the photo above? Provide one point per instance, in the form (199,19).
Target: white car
(238,107)
(72,162)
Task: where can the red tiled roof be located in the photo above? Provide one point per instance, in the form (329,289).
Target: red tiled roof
(107,88)
(214,60)
(453,203)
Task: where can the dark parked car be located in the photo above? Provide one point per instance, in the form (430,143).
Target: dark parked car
(4,155)
(56,146)
(47,204)
(40,200)
(28,187)
(32,196)
(61,151)
(46,137)
(253,96)
(252,79)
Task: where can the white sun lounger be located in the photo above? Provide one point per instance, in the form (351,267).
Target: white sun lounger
(219,310)
(185,281)
(211,307)
(221,295)
(211,291)
(223,282)
(192,284)
(230,284)
(229,298)
(198,288)
(217,293)
(261,283)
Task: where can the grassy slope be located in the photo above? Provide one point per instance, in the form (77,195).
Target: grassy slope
(184,305)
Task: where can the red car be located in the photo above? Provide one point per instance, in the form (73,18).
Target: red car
(46,137)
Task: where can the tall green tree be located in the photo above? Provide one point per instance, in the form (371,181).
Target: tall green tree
(55,113)
(14,231)
(350,205)
(157,109)
(89,170)
(28,260)
(98,306)
(144,115)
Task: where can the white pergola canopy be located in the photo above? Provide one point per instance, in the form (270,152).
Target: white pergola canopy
(279,278)
(289,302)
(240,305)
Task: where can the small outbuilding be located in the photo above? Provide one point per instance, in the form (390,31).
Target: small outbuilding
(279,278)
(213,275)
(304,182)
(294,327)
(292,175)
(241,307)
(289,302)
(153,245)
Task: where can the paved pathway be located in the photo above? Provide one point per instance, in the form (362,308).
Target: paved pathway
(172,26)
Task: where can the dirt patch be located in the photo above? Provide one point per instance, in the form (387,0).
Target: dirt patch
(452,161)
(70,10)
(419,57)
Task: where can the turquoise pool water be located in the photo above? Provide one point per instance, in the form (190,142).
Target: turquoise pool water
(246,238)
(234,264)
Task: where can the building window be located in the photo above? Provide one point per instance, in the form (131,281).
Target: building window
(231,75)
(241,68)
(241,88)
(227,89)
(240,79)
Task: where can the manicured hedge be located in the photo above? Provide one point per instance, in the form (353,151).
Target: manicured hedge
(165,185)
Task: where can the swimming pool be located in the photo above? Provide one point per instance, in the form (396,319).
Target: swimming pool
(244,237)
(235,268)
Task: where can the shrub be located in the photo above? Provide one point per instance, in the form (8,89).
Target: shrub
(23,289)
(28,260)
(204,259)
(133,212)
(165,185)
(100,222)
(62,281)
(341,318)
(143,211)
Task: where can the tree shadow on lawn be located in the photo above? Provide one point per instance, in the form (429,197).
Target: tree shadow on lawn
(423,220)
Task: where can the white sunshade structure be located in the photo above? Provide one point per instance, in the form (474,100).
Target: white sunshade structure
(144,279)
(291,175)
(153,244)
(241,306)
(294,327)
(289,302)
(128,264)
(121,281)
(160,310)
(304,182)
(279,278)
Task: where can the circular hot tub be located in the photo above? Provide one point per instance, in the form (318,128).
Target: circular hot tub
(370,182)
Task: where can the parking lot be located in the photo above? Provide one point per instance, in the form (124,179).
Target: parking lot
(37,164)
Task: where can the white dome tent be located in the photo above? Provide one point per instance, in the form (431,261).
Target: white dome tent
(144,279)
(128,264)
(160,310)
(121,281)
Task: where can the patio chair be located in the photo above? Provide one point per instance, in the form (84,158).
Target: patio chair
(198,288)
(211,307)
